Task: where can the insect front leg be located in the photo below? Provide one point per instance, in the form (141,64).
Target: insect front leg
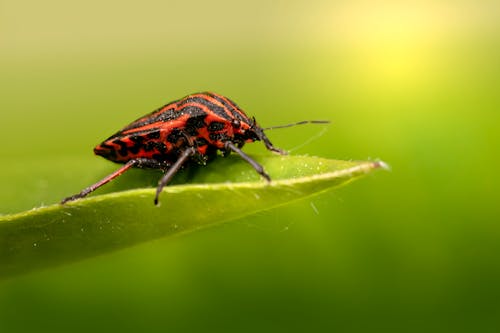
(253,163)
(139,162)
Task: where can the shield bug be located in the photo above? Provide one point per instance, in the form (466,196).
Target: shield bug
(195,128)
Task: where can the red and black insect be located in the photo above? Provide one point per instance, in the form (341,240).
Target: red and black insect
(192,128)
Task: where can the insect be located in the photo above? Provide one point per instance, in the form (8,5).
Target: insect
(194,128)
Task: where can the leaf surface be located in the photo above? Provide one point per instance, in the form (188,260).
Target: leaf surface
(224,190)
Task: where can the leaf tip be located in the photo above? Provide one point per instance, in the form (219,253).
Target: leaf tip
(382,165)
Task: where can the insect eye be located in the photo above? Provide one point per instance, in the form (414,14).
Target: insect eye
(236,123)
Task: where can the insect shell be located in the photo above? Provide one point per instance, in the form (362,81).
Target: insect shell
(192,128)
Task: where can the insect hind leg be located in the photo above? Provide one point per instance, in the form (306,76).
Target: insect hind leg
(138,163)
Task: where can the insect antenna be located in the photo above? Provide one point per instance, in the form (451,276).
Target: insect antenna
(298,123)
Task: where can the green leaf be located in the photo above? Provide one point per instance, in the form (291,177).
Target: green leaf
(224,190)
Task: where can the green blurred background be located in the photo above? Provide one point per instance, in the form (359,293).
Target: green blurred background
(413,83)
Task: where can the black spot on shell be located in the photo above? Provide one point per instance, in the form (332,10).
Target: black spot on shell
(137,139)
(215,126)
(149,146)
(175,135)
(123,151)
(135,149)
(194,123)
(218,137)
(161,147)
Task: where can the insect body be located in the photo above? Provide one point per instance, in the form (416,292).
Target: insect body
(192,128)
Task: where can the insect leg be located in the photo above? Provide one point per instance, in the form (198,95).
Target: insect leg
(103,181)
(253,163)
(267,143)
(173,169)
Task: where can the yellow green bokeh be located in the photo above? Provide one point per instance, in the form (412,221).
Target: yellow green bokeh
(415,84)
